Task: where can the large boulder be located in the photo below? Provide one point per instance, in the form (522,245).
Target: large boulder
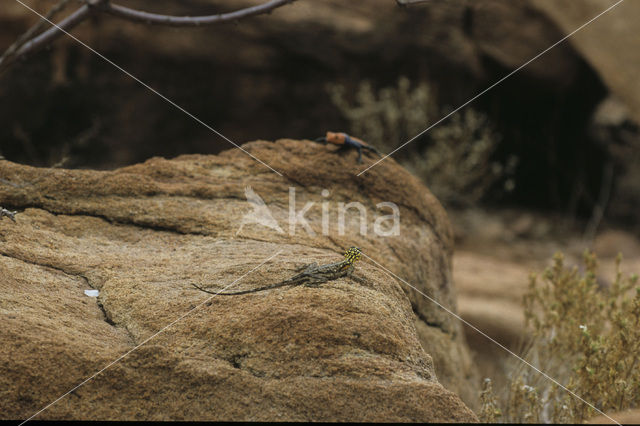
(609,43)
(349,350)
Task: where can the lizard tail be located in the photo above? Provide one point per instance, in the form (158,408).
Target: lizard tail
(233,293)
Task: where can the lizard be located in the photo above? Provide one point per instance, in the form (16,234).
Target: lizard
(346,142)
(312,275)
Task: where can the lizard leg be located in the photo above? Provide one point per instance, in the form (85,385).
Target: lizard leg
(202,289)
(306,267)
(310,267)
(358,279)
(359,154)
(315,280)
(372,149)
(303,273)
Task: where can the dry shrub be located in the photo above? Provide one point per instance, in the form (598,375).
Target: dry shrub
(454,158)
(586,337)
(489,411)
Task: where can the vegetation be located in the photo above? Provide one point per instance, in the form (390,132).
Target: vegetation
(586,336)
(455,158)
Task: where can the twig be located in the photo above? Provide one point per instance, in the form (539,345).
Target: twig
(25,45)
(48,36)
(189,21)
(31,32)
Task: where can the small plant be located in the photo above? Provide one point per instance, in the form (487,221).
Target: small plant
(587,337)
(455,158)
(489,411)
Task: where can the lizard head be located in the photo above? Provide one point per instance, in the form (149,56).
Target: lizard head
(336,138)
(352,255)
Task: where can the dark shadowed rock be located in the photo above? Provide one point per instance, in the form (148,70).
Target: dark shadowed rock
(344,351)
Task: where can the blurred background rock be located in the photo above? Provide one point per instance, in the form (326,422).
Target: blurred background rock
(569,118)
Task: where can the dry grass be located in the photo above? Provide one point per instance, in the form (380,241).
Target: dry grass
(585,336)
(455,158)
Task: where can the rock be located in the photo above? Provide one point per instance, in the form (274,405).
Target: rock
(523,225)
(628,417)
(603,41)
(344,351)
(491,293)
(490,290)
(513,32)
(611,242)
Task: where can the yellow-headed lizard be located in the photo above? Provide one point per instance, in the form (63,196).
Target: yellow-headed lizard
(312,275)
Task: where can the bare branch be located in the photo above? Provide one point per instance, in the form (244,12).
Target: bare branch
(31,32)
(25,46)
(189,21)
(46,37)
